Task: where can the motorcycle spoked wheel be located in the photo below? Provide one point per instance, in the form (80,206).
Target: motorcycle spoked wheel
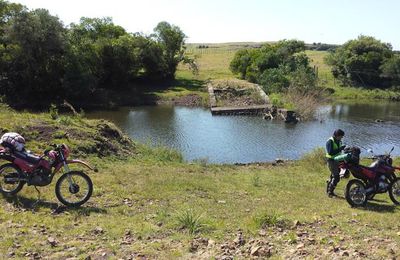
(355,193)
(394,191)
(76,193)
(9,170)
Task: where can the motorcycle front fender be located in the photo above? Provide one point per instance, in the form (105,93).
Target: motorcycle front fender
(82,163)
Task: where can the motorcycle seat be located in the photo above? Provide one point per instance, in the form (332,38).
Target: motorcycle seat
(31,158)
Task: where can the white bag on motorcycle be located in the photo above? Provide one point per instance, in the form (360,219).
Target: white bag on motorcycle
(13,141)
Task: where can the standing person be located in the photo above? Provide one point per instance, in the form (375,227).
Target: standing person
(334,148)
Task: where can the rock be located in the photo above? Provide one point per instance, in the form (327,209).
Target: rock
(239,240)
(52,241)
(98,231)
(198,243)
(260,251)
(296,223)
(222,202)
(344,254)
(300,246)
(262,233)
(311,240)
(254,250)
(211,243)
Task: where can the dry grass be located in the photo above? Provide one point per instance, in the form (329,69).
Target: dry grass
(305,103)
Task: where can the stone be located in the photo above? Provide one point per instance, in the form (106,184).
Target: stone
(296,223)
(254,250)
(262,233)
(52,241)
(211,242)
(239,240)
(98,231)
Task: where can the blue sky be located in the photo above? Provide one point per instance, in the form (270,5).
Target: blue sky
(243,20)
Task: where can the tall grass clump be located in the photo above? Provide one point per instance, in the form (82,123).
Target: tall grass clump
(190,221)
(271,219)
(161,153)
(256,180)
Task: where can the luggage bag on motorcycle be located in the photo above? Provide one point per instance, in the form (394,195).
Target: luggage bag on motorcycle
(13,141)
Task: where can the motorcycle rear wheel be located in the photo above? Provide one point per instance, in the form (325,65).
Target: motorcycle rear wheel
(11,171)
(355,193)
(394,191)
(70,194)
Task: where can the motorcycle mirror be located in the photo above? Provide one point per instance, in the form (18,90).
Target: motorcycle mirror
(391,150)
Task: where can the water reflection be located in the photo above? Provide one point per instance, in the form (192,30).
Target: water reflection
(226,139)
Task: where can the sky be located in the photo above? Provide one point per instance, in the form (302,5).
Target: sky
(217,21)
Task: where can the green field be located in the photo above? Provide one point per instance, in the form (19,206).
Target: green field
(149,203)
(214,64)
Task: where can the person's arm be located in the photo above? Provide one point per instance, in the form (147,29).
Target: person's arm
(329,147)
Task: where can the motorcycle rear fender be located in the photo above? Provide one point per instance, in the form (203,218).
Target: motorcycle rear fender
(83,163)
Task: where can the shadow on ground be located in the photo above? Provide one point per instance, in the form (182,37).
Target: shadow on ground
(22,202)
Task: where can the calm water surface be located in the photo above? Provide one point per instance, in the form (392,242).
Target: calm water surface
(230,139)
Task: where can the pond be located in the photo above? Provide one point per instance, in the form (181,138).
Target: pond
(243,139)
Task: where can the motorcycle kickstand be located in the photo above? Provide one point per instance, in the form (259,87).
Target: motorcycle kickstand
(38,199)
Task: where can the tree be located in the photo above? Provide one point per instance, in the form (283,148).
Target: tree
(359,61)
(241,63)
(391,70)
(172,41)
(33,57)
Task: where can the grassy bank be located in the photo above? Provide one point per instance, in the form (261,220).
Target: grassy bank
(149,203)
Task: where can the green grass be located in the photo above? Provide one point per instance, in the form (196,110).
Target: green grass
(214,64)
(151,203)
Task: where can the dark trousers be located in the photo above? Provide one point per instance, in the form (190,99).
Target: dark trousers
(334,178)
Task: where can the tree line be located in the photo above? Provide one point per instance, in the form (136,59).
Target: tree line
(42,61)
(363,62)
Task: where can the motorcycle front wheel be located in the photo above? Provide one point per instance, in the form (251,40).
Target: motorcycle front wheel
(394,191)
(356,194)
(74,188)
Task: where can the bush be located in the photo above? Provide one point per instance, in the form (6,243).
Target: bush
(275,67)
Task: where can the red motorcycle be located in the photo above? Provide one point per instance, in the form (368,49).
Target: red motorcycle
(379,177)
(73,188)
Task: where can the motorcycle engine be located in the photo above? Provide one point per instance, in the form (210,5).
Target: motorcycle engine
(40,177)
